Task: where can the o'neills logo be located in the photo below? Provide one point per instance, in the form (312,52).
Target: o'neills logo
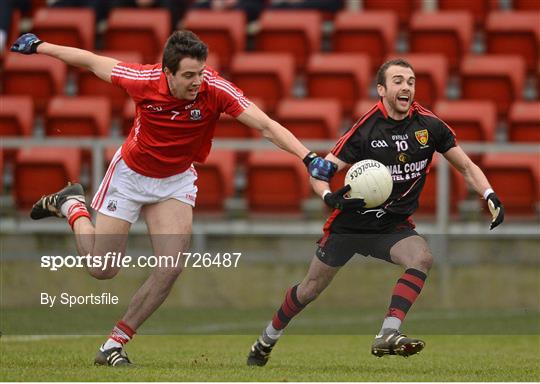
(422,136)
(364,167)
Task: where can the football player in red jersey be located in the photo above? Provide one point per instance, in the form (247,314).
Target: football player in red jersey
(178,103)
(402,135)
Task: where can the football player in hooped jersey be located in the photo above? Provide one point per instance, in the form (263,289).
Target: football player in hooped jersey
(178,103)
(403,135)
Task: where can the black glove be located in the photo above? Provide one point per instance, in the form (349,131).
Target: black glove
(26,44)
(318,167)
(337,200)
(496,208)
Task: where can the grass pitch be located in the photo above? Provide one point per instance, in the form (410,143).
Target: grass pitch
(295,358)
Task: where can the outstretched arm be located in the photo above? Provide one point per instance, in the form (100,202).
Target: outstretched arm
(255,118)
(477,180)
(102,66)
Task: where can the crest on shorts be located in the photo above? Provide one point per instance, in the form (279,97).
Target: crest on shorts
(422,136)
(195,114)
(111,206)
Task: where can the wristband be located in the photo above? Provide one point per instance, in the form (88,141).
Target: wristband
(326,192)
(309,157)
(33,47)
(487,192)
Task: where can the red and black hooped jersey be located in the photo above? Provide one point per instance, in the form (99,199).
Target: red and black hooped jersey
(406,147)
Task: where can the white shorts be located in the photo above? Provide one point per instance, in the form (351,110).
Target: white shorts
(123,192)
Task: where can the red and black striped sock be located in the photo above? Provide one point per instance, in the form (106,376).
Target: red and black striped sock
(407,289)
(290,308)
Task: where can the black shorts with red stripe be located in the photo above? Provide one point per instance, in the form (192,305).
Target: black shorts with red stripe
(373,235)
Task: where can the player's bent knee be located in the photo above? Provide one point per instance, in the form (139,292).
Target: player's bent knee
(425,261)
(103,274)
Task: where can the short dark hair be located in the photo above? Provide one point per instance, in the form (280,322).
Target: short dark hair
(381,73)
(182,44)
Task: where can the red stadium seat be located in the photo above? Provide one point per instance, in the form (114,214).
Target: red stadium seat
(448,33)
(267,76)
(538,80)
(524,122)
(40,77)
(276,182)
(428,197)
(295,32)
(40,171)
(515,33)
(78,116)
(229,127)
(431,71)
(344,76)
(135,29)
(215,180)
(16,116)
(516,178)
(73,27)
(403,8)
(91,85)
(224,32)
(477,8)
(493,77)
(472,120)
(526,5)
(311,118)
(370,32)
(362,107)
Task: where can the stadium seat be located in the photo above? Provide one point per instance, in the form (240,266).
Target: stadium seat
(515,33)
(91,85)
(448,33)
(362,107)
(370,32)
(277,182)
(78,116)
(526,5)
(267,76)
(431,71)
(310,118)
(498,78)
(472,120)
(344,76)
(215,180)
(73,27)
(41,77)
(516,178)
(228,127)
(524,122)
(295,32)
(16,116)
(477,8)
(403,8)
(40,171)
(428,198)
(224,32)
(136,29)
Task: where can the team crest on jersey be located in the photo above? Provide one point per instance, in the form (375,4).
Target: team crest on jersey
(111,206)
(195,114)
(403,158)
(422,136)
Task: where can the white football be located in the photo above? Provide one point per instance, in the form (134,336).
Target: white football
(369,180)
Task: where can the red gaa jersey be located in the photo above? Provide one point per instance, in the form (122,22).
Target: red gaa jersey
(169,134)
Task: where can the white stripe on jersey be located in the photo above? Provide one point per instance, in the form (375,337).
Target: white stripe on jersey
(121,67)
(153,77)
(225,86)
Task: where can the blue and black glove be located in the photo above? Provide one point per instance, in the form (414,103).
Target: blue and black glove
(337,200)
(26,44)
(318,167)
(496,208)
